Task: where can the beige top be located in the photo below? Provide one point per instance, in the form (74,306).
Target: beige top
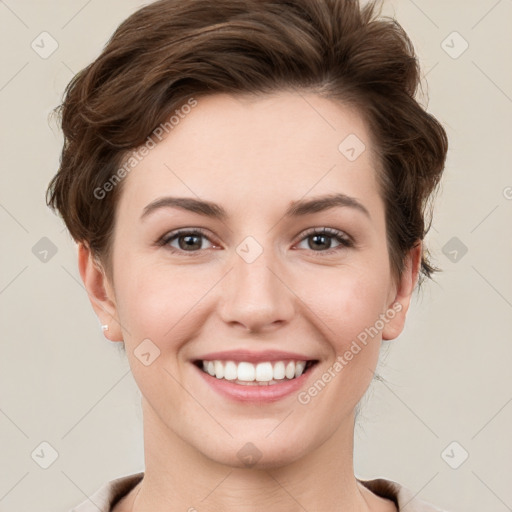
(110,493)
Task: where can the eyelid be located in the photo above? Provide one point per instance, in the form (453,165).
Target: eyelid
(344,240)
(171,235)
(326,230)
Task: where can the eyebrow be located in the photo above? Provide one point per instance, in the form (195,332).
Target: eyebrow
(295,209)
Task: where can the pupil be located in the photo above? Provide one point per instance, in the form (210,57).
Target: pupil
(317,237)
(190,242)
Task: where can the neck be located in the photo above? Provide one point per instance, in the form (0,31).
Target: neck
(180,478)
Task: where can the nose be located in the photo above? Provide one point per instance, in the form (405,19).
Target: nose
(256,296)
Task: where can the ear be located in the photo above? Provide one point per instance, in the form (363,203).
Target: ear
(399,305)
(100,292)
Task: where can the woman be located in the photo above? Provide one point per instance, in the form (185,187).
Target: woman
(247,182)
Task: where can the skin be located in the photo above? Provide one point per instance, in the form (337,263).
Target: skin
(252,156)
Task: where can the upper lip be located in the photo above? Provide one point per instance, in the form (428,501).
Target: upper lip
(252,356)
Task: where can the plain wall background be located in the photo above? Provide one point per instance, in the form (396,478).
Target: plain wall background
(447,378)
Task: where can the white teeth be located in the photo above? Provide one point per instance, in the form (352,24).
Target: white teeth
(290,370)
(299,368)
(245,371)
(264,372)
(230,370)
(279,370)
(261,373)
(219,369)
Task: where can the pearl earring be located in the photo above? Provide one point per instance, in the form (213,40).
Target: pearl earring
(104,327)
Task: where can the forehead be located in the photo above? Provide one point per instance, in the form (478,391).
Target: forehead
(257,149)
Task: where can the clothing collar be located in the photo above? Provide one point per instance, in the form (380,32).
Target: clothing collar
(111,492)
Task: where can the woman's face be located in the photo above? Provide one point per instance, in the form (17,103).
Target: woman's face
(256,285)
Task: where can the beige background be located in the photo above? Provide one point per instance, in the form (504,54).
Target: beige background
(447,376)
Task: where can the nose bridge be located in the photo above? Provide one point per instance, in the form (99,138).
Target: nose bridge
(254,294)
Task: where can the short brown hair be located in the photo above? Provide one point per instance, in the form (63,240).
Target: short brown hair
(171,50)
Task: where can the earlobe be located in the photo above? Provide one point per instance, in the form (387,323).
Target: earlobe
(99,292)
(397,311)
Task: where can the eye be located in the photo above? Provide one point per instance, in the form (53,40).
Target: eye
(190,241)
(187,240)
(320,240)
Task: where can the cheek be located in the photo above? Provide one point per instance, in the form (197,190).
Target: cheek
(349,306)
(159,302)
(347,302)
(347,311)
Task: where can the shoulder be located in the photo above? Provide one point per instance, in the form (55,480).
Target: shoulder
(403,497)
(103,499)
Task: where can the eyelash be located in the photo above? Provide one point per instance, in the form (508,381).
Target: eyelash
(344,240)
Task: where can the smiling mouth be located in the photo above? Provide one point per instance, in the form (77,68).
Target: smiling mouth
(261,374)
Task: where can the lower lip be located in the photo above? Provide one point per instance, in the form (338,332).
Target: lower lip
(255,393)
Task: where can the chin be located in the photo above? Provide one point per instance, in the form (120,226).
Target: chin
(257,452)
